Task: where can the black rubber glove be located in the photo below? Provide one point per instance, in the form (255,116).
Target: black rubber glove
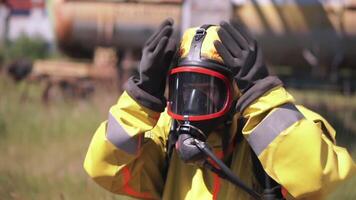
(241,53)
(148,88)
(156,57)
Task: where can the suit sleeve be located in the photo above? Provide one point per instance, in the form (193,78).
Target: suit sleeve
(127,151)
(296,147)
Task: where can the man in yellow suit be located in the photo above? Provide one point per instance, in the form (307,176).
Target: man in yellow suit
(229,130)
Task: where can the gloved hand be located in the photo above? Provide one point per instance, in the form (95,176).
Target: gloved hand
(241,53)
(156,57)
(148,88)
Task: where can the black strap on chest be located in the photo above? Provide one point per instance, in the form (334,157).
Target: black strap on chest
(271,189)
(172,139)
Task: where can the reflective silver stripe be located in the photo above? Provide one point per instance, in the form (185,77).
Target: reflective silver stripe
(120,138)
(270,127)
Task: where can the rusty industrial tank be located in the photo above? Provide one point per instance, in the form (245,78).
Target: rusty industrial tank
(81,26)
(319,35)
(303,32)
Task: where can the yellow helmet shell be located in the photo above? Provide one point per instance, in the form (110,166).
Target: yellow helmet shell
(208,50)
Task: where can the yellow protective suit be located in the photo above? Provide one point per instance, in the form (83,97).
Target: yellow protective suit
(295,146)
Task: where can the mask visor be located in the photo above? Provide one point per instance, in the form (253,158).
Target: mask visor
(197,93)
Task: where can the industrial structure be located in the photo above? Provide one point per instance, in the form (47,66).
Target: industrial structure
(314,38)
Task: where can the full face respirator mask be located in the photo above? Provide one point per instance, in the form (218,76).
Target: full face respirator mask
(200,91)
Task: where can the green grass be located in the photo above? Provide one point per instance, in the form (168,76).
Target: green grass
(42,147)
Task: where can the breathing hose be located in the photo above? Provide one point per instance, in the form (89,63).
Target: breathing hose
(224,172)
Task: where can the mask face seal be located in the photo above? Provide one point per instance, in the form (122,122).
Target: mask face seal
(198,94)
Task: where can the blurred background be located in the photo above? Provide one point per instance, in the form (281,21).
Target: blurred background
(63,63)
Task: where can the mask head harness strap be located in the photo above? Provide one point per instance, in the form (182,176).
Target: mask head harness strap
(194,56)
(197,42)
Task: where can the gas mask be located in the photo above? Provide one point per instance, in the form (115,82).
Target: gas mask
(200,91)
